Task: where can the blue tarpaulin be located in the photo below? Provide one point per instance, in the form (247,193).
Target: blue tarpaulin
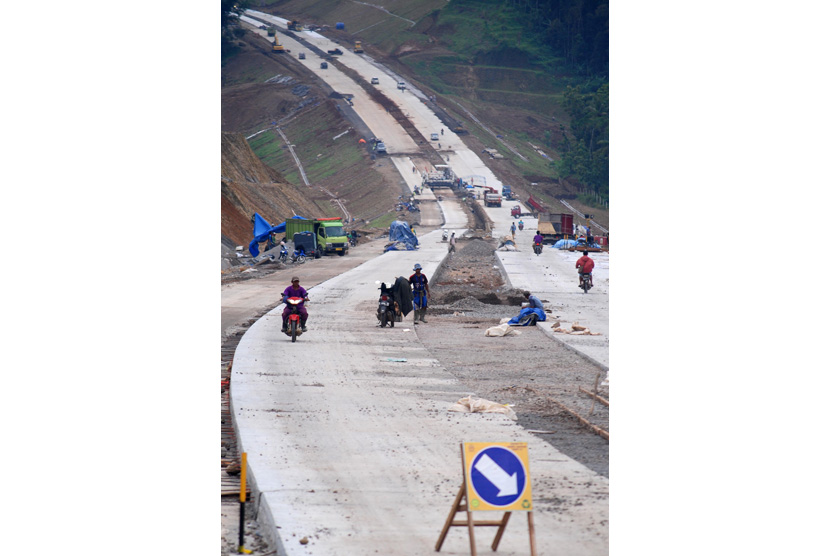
(524,317)
(568,243)
(564,244)
(262,229)
(401,237)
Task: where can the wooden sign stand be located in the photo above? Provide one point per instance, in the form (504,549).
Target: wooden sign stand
(470,523)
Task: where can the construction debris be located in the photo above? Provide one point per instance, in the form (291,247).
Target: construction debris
(480,405)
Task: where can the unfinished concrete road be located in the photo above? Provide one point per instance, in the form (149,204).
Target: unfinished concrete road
(351,444)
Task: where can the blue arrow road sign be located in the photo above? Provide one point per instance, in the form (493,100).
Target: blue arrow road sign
(498,476)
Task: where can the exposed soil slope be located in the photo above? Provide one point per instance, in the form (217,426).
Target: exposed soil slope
(249,186)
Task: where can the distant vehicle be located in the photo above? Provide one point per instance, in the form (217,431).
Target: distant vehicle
(324,65)
(434,137)
(295,26)
(358,47)
(375,81)
(381,147)
(302,55)
(335,51)
(401,85)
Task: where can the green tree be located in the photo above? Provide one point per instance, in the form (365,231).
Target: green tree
(586,157)
(231,10)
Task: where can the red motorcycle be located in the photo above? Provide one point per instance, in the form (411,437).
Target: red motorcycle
(537,248)
(294,329)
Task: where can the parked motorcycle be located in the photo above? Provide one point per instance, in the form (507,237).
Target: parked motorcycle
(294,330)
(445,236)
(386,309)
(283,258)
(537,248)
(298,257)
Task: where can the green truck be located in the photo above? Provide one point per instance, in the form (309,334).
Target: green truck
(328,233)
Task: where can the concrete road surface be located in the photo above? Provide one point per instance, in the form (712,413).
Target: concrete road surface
(351,444)
(347,432)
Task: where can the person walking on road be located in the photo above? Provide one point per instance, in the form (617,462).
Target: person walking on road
(451,247)
(513,230)
(420,294)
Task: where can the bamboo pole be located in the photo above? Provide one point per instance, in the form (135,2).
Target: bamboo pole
(596,429)
(600,399)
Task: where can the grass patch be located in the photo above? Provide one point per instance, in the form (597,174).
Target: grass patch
(384,221)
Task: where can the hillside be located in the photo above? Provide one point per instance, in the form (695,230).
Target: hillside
(506,91)
(249,186)
(496,68)
(261,90)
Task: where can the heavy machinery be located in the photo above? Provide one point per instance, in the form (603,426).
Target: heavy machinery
(278,47)
(295,26)
(555,226)
(492,198)
(358,48)
(442,177)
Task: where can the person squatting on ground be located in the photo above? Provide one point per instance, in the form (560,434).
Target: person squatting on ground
(533,301)
(451,247)
(420,294)
(585,265)
(294,290)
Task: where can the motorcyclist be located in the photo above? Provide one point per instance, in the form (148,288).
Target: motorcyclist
(584,266)
(521,225)
(537,238)
(294,290)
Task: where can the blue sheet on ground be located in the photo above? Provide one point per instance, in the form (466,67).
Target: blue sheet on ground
(522,319)
(402,237)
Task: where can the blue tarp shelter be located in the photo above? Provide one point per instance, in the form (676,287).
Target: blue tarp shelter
(401,237)
(262,229)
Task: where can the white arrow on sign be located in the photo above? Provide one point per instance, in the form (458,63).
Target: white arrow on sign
(507,484)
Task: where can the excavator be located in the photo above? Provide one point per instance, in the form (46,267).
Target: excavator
(278,47)
(295,26)
(358,48)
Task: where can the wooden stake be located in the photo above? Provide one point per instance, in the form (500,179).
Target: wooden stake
(596,429)
(600,399)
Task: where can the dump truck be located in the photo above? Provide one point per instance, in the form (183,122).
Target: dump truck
(507,192)
(555,226)
(358,48)
(517,212)
(492,198)
(328,232)
(442,177)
